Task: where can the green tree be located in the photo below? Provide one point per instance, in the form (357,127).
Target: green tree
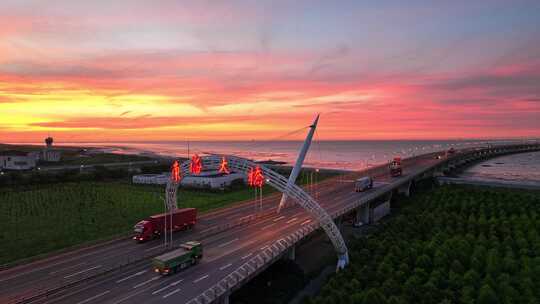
(395,300)
(424,262)
(486,295)
(471,278)
(457,267)
(374,296)
(493,263)
(467,295)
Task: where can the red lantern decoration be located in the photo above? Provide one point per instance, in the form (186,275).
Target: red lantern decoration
(175,172)
(195,167)
(255,177)
(259,177)
(224,166)
(251,176)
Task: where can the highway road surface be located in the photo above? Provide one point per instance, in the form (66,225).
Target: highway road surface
(224,251)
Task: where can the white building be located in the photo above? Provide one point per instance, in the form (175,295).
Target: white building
(211,179)
(206,179)
(17,160)
(151,179)
(50,155)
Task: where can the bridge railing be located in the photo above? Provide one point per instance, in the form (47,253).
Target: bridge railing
(253,266)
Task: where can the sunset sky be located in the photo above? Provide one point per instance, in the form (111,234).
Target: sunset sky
(215,70)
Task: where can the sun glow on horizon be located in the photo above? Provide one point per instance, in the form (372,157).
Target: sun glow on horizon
(244,71)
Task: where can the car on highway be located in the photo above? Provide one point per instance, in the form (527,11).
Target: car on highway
(363,184)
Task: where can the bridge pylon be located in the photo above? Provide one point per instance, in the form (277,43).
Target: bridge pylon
(299,161)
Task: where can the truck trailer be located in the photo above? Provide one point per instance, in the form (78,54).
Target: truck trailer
(395,167)
(154,226)
(188,254)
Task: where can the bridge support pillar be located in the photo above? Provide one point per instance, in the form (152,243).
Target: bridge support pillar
(224,299)
(362,215)
(405,189)
(380,209)
(291,254)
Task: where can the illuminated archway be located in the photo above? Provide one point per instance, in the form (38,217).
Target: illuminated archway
(280,183)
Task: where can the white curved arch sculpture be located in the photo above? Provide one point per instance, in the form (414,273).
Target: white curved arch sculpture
(279,182)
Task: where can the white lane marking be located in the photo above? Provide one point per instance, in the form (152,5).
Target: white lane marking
(155,247)
(65,261)
(171,293)
(228,243)
(66,268)
(82,271)
(268,226)
(263,248)
(291,220)
(131,276)
(146,282)
(247,256)
(245,217)
(225,267)
(131,295)
(201,278)
(170,285)
(279,218)
(161,289)
(94,297)
(305,222)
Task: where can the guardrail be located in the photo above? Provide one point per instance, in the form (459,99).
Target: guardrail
(253,266)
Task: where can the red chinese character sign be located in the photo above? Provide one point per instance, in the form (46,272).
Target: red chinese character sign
(195,167)
(175,172)
(255,177)
(224,166)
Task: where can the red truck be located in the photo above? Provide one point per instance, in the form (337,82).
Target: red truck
(154,226)
(395,167)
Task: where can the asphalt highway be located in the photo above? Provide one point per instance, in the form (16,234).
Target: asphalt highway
(224,251)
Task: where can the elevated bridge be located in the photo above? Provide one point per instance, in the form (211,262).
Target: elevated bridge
(285,245)
(239,243)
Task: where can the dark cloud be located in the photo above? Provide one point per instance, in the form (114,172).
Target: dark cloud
(523,80)
(330,58)
(469,101)
(332,103)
